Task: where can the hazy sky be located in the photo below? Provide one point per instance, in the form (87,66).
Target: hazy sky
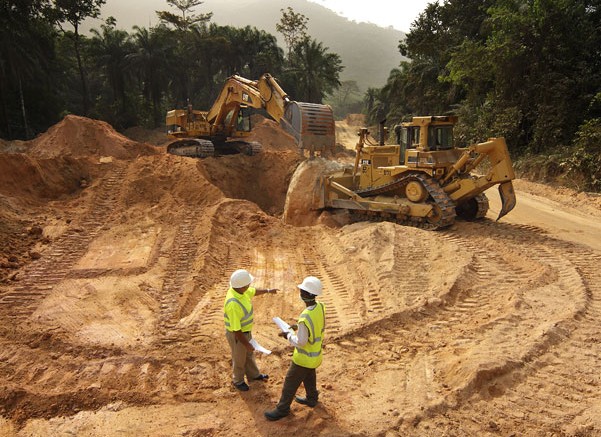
(396,13)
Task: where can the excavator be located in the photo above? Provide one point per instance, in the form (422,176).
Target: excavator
(225,127)
(423,181)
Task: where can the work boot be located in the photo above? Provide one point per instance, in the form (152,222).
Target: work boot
(242,386)
(275,414)
(304,401)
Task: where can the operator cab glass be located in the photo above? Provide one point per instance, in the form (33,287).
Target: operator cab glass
(408,138)
(440,137)
(243,123)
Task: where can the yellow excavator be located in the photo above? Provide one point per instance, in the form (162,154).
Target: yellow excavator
(422,181)
(225,127)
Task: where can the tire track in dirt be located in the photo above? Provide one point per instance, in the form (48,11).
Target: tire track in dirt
(555,391)
(434,350)
(40,277)
(343,310)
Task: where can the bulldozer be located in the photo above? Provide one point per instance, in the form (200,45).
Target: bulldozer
(423,180)
(225,128)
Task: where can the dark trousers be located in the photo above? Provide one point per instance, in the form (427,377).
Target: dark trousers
(295,376)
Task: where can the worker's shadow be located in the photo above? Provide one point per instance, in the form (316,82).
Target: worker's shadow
(302,420)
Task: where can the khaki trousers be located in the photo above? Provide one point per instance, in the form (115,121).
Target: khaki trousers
(243,361)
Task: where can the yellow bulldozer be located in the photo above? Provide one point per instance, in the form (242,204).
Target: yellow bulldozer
(422,181)
(226,126)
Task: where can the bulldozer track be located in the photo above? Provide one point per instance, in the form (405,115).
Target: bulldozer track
(445,208)
(41,276)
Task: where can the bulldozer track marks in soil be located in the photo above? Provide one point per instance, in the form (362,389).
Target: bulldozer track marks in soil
(178,273)
(480,342)
(416,343)
(568,350)
(39,278)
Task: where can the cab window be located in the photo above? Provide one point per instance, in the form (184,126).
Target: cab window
(440,137)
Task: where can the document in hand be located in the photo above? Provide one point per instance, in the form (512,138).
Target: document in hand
(254,343)
(285,327)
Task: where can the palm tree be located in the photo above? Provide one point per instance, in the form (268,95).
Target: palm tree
(314,70)
(109,50)
(152,59)
(24,51)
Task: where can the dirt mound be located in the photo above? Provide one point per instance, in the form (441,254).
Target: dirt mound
(270,135)
(303,191)
(80,136)
(30,179)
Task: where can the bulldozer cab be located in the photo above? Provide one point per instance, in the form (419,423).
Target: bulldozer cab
(426,134)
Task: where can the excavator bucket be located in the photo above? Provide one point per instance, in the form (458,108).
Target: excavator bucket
(507,198)
(311,125)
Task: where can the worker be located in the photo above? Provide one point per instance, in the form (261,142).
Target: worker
(307,354)
(238,317)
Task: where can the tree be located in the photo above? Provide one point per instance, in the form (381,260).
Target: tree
(26,52)
(109,50)
(313,71)
(187,19)
(152,61)
(74,12)
(293,26)
(346,99)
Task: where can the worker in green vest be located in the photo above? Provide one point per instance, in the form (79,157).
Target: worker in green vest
(238,318)
(307,354)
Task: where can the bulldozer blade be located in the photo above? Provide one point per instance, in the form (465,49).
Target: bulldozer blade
(311,125)
(507,198)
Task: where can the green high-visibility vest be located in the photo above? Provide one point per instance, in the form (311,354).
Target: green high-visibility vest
(310,355)
(238,310)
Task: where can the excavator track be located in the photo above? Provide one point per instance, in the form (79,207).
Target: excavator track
(441,202)
(192,147)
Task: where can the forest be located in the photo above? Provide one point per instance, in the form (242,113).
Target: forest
(526,70)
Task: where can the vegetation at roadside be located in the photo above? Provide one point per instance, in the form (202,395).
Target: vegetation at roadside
(526,70)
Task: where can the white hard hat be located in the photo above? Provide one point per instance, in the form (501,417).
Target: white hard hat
(240,278)
(311,285)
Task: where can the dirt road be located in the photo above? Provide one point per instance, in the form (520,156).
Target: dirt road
(111,318)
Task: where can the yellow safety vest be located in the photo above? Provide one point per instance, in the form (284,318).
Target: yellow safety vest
(238,310)
(310,355)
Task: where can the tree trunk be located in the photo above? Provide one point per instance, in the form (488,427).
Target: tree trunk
(23,112)
(82,75)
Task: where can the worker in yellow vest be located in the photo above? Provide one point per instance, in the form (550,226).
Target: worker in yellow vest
(238,318)
(307,354)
